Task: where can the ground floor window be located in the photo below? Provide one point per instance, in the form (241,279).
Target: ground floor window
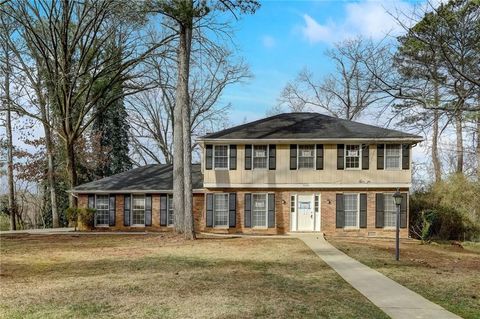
(351,210)
(101,210)
(220,210)
(138,210)
(259,210)
(390,213)
(170,220)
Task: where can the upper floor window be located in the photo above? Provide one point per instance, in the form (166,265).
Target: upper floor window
(393,153)
(260,156)
(306,155)
(220,156)
(352,156)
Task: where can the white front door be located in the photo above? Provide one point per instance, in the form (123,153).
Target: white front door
(305,213)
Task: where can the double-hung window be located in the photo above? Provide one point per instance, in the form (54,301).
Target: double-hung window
(259,210)
(170,220)
(101,210)
(220,210)
(138,210)
(351,210)
(352,156)
(260,156)
(390,213)
(393,153)
(220,156)
(306,156)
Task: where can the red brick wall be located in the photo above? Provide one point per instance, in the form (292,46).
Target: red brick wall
(282,217)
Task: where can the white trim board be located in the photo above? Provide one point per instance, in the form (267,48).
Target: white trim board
(306,140)
(319,185)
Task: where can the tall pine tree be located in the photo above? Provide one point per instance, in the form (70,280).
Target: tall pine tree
(110,129)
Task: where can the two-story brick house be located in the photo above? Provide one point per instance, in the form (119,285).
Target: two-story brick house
(286,173)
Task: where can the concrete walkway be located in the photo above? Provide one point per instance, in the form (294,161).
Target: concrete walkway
(394,299)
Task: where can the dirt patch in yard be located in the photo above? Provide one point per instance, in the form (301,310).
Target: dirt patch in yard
(443,273)
(164,276)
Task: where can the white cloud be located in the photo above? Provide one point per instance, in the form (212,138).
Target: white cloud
(371,19)
(268,41)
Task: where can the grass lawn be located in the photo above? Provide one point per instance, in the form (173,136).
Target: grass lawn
(442,273)
(161,276)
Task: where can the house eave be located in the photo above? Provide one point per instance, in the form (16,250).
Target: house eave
(296,140)
(128,191)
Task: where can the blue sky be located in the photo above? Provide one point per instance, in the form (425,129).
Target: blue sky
(285,36)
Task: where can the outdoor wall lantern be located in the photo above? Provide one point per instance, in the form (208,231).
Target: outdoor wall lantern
(397,198)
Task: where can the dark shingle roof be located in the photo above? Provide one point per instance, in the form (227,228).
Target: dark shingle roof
(307,126)
(154,177)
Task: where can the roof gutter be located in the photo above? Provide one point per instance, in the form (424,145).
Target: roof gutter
(127,191)
(287,140)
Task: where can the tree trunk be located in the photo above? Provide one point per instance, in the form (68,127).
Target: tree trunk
(478,146)
(437,165)
(178,147)
(459,146)
(184,69)
(50,167)
(8,126)
(71,171)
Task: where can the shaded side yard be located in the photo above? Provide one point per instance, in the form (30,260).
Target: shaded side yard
(161,276)
(442,273)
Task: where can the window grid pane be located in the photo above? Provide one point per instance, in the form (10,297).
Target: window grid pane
(259,210)
(220,209)
(101,207)
(138,210)
(390,214)
(292,204)
(221,156)
(392,155)
(260,156)
(305,156)
(351,210)
(170,210)
(352,156)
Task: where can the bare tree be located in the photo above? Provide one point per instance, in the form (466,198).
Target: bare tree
(152,110)
(6,32)
(345,93)
(188,16)
(69,38)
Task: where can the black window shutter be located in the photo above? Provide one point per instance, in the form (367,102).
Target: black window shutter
(209,217)
(111,211)
(293,156)
(271,210)
(248,210)
(163,210)
(148,210)
(233,157)
(380,156)
(365,156)
(403,211)
(91,201)
(232,208)
(340,211)
(319,156)
(379,210)
(405,156)
(363,210)
(340,156)
(208,156)
(272,156)
(126,210)
(248,156)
